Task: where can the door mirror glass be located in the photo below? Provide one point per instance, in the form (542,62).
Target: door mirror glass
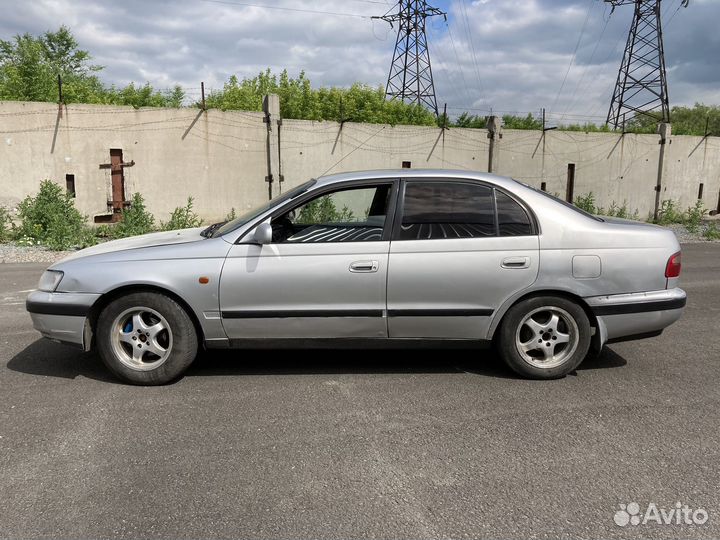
(263,234)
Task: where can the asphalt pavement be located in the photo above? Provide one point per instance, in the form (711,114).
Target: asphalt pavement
(364,444)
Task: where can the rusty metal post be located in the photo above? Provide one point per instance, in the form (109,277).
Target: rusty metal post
(570,185)
(202,94)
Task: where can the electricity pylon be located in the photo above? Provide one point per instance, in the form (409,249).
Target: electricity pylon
(641,86)
(411,77)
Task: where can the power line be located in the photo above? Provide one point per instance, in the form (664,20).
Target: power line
(573,99)
(673,15)
(609,87)
(472,46)
(667,9)
(523,113)
(281,8)
(572,60)
(457,57)
(451,76)
(352,151)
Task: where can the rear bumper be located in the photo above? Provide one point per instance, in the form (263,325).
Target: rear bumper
(62,316)
(622,317)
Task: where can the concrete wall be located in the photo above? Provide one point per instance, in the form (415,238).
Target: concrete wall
(312,149)
(221,158)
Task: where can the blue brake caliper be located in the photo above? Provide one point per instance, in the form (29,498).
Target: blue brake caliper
(128,327)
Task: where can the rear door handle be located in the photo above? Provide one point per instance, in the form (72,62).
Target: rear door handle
(364,266)
(516,262)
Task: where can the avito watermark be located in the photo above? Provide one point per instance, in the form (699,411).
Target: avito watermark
(678,514)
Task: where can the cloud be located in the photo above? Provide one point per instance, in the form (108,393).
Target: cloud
(504,55)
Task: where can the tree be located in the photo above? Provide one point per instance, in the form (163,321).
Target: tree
(693,120)
(29,67)
(298,99)
(684,120)
(520,122)
(467,120)
(140,96)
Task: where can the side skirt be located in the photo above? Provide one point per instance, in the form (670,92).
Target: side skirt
(348,343)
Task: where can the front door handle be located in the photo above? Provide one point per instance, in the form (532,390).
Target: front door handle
(364,266)
(516,262)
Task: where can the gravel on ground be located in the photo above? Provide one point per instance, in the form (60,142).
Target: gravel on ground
(10,253)
(686,237)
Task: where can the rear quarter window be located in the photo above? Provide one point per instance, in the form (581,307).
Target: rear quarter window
(513,220)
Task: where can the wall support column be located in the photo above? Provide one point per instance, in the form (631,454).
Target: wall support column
(664,130)
(271,108)
(494,127)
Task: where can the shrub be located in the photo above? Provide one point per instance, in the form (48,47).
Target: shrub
(135,220)
(231,215)
(616,211)
(182,217)
(669,213)
(5,224)
(104,231)
(323,210)
(693,216)
(51,219)
(587,203)
(712,232)
(621,211)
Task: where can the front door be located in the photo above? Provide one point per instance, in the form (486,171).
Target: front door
(459,250)
(324,274)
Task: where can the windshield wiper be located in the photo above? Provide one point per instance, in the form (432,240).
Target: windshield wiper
(208,233)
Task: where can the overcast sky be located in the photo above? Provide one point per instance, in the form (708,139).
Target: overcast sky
(523,48)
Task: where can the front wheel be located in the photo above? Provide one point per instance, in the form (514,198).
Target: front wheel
(544,337)
(146,338)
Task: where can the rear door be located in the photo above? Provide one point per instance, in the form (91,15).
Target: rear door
(459,249)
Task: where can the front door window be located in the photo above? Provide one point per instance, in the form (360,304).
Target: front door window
(348,215)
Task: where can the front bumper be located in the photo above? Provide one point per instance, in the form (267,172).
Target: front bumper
(622,317)
(62,316)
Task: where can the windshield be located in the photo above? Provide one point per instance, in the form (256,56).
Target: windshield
(255,212)
(564,203)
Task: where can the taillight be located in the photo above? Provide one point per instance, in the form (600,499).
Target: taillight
(672,269)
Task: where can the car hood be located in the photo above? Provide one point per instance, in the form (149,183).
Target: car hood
(164,238)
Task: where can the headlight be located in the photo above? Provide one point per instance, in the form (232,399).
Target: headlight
(50,280)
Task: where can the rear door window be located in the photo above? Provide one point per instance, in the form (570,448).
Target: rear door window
(447,210)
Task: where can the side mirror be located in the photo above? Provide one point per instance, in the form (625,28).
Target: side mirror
(263,234)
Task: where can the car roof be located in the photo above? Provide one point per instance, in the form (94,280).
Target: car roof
(439,174)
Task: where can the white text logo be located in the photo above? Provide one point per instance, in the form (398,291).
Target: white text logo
(678,514)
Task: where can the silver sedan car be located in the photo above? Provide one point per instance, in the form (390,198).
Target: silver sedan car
(379,257)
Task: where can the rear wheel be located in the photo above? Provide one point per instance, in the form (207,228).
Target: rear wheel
(544,337)
(146,338)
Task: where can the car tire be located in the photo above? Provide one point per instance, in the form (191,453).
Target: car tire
(146,338)
(544,337)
